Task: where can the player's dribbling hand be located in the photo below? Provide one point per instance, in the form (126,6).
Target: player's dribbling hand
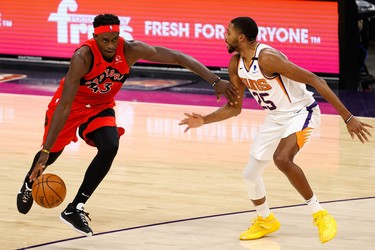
(224,87)
(39,167)
(192,120)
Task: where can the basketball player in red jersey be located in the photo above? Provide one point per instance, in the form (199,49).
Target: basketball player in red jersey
(279,86)
(85,101)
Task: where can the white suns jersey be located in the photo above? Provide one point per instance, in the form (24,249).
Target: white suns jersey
(277,93)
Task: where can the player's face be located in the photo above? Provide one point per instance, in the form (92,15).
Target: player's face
(231,38)
(107,43)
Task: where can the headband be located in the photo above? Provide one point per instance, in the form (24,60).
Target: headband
(107,28)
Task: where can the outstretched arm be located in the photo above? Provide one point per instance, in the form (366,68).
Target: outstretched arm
(273,62)
(194,120)
(137,50)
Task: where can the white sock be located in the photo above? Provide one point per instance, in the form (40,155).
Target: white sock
(80,206)
(263,210)
(314,204)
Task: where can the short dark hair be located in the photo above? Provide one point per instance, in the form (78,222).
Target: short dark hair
(105,19)
(246,26)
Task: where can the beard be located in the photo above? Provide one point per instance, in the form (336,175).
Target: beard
(231,48)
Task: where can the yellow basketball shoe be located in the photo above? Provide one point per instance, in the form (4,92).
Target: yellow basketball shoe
(260,227)
(326,225)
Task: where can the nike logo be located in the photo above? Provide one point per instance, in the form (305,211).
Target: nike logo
(298,111)
(69,213)
(27,188)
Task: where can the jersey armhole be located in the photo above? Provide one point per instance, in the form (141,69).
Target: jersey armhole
(261,70)
(92,61)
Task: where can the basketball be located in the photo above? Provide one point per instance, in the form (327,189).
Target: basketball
(48,190)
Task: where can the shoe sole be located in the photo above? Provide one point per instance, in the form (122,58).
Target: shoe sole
(325,241)
(70,225)
(270,232)
(332,237)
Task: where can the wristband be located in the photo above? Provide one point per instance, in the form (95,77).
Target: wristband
(216,81)
(348,120)
(45,151)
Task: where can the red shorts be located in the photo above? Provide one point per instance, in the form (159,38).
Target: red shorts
(86,118)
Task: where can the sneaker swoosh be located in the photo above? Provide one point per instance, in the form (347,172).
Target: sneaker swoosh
(69,213)
(27,187)
(298,111)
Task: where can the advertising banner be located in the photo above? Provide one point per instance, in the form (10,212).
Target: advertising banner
(306,31)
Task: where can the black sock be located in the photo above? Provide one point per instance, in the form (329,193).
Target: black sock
(107,142)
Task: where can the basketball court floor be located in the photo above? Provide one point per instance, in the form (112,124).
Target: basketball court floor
(173,190)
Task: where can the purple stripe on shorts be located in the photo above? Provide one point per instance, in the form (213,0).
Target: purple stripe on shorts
(310,110)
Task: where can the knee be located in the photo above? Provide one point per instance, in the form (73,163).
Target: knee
(245,174)
(254,169)
(282,162)
(109,150)
(249,175)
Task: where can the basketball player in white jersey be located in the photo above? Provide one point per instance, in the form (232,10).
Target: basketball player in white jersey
(279,86)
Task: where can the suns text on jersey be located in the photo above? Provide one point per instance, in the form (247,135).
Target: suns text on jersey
(259,84)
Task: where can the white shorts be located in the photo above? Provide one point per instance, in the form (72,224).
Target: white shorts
(278,126)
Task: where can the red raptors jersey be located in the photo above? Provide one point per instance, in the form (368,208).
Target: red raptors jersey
(101,84)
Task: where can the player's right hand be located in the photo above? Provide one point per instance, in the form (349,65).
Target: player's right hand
(192,120)
(39,167)
(357,128)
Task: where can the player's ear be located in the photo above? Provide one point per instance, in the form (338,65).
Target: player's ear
(241,37)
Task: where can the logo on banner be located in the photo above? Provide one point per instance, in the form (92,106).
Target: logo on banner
(70,27)
(10,77)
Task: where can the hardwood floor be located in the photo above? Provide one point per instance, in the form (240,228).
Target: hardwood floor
(173,190)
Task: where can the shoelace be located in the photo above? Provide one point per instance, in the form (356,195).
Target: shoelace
(26,196)
(83,216)
(256,223)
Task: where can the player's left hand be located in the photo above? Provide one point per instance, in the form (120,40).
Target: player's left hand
(193,120)
(224,87)
(357,128)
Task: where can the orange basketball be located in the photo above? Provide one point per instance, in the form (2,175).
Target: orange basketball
(48,190)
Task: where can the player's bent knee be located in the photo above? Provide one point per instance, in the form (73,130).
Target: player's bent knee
(109,150)
(281,162)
